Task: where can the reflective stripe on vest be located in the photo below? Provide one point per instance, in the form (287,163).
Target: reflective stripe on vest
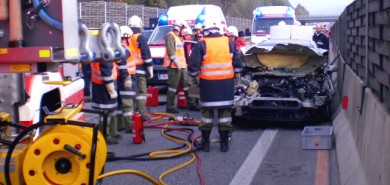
(96,75)
(217,62)
(179,52)
(130,63)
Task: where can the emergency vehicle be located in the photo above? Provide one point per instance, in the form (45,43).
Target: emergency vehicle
(266,16)
(41,46)
(192,14)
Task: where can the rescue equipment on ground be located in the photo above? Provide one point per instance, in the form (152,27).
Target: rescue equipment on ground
(66,151)
(138,129)
(181,97)
(152,96)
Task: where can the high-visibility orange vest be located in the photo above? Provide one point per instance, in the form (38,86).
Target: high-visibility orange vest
(179,53)
(135,50)
(96,76)
(217,61)
(130,62)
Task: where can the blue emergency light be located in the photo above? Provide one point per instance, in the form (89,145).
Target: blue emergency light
(201,17)
(163,20)
(289,12)
(257,12)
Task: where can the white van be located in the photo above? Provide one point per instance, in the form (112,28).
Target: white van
(192,14)
(267,16)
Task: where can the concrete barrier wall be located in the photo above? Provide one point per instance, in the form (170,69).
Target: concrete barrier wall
(362,131)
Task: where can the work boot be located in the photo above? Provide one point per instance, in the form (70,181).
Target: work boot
(224,143)
(111,141)
(205,143)
(118,136)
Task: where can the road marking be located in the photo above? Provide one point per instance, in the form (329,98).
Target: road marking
(252,163)
(322,168)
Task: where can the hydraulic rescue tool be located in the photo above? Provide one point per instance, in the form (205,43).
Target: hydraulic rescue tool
(43,139)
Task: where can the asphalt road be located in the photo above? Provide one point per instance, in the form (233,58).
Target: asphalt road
(263,154)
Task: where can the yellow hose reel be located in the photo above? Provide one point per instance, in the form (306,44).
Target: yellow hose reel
(61,155)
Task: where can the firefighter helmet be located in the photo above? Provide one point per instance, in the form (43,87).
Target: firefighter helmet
(232,31)
(178,25)
(126,31)
(198,26)
(187,31)
(209,24)
(135,21)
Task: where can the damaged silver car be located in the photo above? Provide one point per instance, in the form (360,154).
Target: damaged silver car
(285,79)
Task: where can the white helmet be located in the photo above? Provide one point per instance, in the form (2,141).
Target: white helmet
(126,31)
(179,24)
(187,31)
(232,31)
(209,24)
(135,21)
(198,26)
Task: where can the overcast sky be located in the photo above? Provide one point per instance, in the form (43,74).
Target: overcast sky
(323,7)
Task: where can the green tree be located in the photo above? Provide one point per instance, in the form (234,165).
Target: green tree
(300,10)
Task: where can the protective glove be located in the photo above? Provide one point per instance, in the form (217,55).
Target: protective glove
(237,79)
(111,90)
(178,64)
(150,71)
(128,83)
(193,81)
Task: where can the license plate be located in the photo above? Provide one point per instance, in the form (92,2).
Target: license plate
(163,76)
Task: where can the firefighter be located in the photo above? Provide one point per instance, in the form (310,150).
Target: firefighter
(140,53)
(216,61)
(197,32)
(187,36)
(175,61)
(126,89)
(104,94)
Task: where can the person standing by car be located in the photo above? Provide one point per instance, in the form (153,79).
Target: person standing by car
(216,62)
(140,53)
(175,61)
(320,39)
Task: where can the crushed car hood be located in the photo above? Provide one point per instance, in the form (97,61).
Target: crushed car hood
(284,59)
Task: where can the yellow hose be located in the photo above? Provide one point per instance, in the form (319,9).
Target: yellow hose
(160,154)
(172,153)
(176,168)
(135,172)
(165,114)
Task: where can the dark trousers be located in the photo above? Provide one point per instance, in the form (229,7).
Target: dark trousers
(86,70)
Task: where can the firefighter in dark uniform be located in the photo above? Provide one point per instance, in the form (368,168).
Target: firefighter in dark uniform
(140,53)
(216,61)
(126,87)
(104,93)
(175,61)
